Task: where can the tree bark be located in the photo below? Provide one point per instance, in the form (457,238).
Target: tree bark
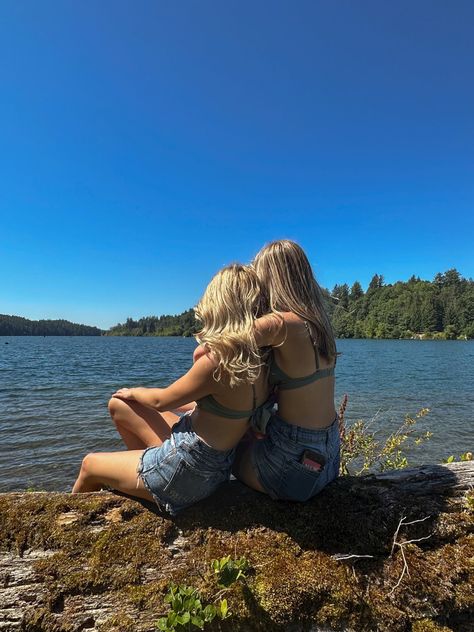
(390,552)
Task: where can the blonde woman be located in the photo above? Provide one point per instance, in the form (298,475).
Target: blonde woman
(181,459)
(299,453)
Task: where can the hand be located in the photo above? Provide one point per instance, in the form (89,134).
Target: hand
(125,394)
(199,352)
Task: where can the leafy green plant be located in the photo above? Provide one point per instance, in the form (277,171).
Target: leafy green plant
(187,610)
(228,570)
(466,456)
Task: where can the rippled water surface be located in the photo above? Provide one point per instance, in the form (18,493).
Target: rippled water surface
(54,393)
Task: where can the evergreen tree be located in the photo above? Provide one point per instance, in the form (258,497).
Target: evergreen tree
(431,317)
(452,277)
(356,291)
(376,282)
(341,294)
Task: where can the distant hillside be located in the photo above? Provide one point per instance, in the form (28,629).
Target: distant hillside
(180,325)
(18,326)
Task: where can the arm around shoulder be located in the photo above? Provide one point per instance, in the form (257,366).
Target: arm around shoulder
(270,330)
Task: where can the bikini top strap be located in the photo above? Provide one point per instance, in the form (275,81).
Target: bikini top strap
(313,342)
(254,393)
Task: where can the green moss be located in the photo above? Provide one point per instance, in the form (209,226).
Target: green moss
(119,622)
(469,501)
(104,544)
(43,620)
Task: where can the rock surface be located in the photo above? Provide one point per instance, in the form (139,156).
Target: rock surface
(339,562)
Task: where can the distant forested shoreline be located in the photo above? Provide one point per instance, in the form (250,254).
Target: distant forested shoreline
(18,326)
(181,325)
(440,309)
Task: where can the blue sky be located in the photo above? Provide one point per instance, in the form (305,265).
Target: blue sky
(146,144)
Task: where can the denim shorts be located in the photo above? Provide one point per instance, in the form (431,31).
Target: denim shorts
(183,469)
(277,459)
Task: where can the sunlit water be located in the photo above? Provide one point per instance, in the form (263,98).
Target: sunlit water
(54,393)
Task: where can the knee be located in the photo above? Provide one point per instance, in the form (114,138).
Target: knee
(87,466)
(115,405)
(112,405)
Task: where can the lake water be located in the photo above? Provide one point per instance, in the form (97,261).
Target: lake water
(54,393)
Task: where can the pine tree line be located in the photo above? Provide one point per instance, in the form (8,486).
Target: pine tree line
(181,325)
(18,326)
(443,308)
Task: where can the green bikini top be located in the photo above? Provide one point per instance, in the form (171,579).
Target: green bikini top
(211,404)
(284,382)
(259,416)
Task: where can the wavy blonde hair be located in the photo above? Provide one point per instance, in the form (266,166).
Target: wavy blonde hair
(284,270)
(227,311)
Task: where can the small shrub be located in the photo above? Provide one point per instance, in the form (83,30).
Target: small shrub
(361,447)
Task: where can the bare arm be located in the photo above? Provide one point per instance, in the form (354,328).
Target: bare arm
(195,384)
(270,330)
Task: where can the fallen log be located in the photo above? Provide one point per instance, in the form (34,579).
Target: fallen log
(391,552)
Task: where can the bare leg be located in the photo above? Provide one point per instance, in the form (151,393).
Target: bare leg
(139,426)
(113,469)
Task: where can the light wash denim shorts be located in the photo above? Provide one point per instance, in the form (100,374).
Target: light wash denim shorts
(183,469)
(277,459)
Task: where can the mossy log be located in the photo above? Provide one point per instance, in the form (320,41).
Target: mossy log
(390,552)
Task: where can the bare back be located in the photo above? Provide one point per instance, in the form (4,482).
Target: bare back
(222,433)
(310,405)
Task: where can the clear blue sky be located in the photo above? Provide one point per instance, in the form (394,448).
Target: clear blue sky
(145,144)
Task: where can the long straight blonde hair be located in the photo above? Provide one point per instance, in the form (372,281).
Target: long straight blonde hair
(284,270)
(227,311)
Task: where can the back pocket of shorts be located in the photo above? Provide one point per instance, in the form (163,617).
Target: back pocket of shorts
(188,485)
(298,482)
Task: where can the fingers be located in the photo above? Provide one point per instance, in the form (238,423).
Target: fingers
(123,393)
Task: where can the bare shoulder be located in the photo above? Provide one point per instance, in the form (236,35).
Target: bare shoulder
(292,320)
(272,330)
(269,330)
(205,363)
